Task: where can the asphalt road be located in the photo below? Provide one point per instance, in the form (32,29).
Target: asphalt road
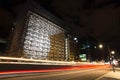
(84,74)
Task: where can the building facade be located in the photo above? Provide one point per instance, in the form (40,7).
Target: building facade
(38,36)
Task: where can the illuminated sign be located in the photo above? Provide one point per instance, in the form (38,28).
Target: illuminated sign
(83,57)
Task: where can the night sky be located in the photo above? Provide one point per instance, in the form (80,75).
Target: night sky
(99,19)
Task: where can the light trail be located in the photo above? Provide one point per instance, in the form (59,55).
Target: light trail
(13,60)
(55,69)
(32,61)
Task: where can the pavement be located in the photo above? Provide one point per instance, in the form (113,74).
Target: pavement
(111,75)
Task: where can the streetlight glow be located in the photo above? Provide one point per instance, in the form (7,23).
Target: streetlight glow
(75,38)
(112,52)
(95,47)
(100,46)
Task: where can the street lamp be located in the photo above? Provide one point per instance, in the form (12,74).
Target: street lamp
(75,38)
(100,46)
(112,52)
(112,57)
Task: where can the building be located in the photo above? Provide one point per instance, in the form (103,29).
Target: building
(38,36)
(73,49)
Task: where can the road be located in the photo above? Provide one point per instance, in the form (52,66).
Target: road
(79,74)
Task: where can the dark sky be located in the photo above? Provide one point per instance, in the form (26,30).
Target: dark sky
(99,19)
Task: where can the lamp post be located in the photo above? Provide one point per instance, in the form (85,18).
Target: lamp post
(112,58)
(100,47)
(111,53)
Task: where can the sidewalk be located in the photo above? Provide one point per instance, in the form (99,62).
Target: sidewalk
(111,75)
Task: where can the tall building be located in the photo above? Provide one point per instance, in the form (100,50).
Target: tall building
(37,35)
